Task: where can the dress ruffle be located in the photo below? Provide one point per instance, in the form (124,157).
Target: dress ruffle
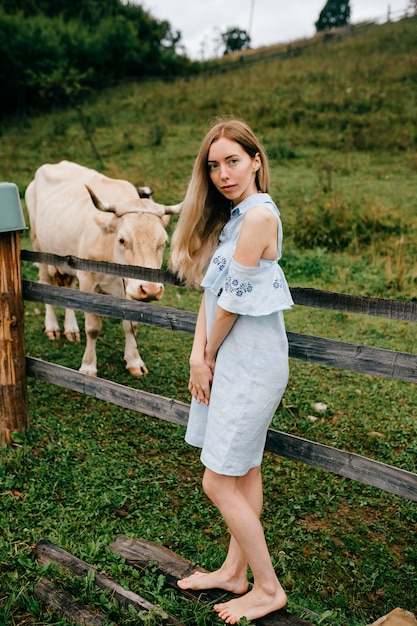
(255,290)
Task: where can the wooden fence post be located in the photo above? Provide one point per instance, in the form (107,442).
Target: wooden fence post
(14,412)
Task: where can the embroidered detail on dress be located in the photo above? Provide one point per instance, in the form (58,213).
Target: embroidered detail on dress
(232,285)
(277,284)
(220,261)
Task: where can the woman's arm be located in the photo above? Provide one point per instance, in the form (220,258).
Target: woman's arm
(201,374)
(258,237)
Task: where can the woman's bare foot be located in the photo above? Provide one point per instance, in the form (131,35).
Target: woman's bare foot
(215,580)
(253,605)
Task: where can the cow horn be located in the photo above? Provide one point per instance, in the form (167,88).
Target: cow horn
(156,209)
(101,206)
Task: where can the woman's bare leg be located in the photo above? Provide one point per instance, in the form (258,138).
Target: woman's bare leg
(232,575)
(267,595)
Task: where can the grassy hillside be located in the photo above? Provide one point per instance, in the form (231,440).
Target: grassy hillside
(338,123)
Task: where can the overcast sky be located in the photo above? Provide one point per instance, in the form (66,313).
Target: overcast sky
(267,21)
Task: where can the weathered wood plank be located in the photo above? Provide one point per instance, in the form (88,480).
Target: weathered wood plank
(61,602)
(142,401)
(380,307)
(386,477)
(47,552)
(70,262)
(139,553)
(354,357)
(110,306)
(359,468)
(305,296)
(14,409)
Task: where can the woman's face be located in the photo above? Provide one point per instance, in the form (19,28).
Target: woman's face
(232,171)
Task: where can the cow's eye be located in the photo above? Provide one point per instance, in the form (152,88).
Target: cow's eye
(122,241)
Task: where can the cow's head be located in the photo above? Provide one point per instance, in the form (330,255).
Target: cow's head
(139,238)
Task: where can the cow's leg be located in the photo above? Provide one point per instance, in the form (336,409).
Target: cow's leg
(52,330)
(134,363)
(71,329)
(88,282)
(93,326)
(104,284)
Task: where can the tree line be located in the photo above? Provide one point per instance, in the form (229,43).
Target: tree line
(54,51)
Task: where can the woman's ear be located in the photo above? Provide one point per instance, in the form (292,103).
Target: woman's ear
(256,162)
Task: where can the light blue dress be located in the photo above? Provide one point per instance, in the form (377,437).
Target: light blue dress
(251,370)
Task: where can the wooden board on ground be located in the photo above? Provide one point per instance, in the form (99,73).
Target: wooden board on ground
(47,552)
(62,603)
(140,553)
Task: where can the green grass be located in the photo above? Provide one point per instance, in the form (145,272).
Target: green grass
(338,123)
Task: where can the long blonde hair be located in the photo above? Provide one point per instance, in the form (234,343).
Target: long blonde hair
(205,210)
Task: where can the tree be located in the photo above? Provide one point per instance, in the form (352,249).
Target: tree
(235,39)
(49,56)
(335,13)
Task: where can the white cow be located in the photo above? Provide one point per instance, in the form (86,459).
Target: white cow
(74,210)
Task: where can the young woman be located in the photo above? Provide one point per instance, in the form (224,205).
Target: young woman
(228,240)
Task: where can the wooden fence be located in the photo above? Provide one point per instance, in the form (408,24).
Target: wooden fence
(358,358)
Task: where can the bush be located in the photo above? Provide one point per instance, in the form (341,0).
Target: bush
(335,223)
(44,59)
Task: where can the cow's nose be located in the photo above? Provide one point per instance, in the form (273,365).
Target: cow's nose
(150,291)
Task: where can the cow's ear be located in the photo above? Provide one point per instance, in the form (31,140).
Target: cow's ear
(144,192)
(106,221)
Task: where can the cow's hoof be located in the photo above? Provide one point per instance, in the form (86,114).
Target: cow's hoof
(88,372)
(53,334)
(73,336)
(138,371)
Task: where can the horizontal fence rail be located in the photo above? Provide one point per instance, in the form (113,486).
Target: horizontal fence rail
(111,306)
(400,310)
(354,357)
(305,296)
(71,263)
(347,464)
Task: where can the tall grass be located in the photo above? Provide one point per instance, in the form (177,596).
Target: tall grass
(338,123)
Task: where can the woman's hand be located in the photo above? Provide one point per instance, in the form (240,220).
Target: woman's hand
(201,376)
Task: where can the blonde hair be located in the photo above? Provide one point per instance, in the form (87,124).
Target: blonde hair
(205,210)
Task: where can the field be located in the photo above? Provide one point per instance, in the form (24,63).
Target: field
(338,123)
